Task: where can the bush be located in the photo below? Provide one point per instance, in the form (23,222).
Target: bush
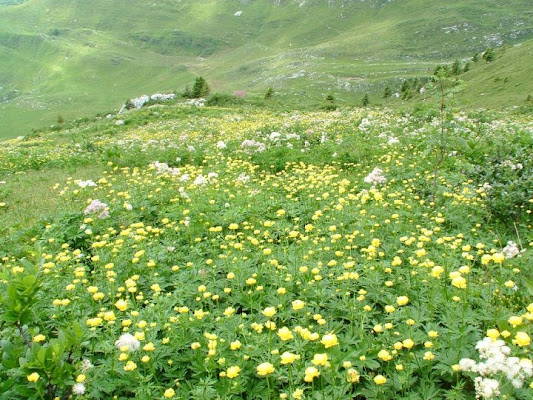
(223,99)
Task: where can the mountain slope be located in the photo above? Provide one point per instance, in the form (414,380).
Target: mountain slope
(78,57)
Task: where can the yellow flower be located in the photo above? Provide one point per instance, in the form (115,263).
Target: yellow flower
(515,321)
(269,312)
(493,334)
(298,305)
(285,334)
(289,358)
(233,372)
(81,378)
(39,338)
(169,393)
(408,343)
(459,282)
(320,359)
(130,366)
(122,305)
(498,258)
(353,375)
(433,334)
(389,308)
(437,271)
(195,345)
(149,347)
(235,345)
(265,369)
(402,300)
(310,374)
(384,355)
(33,377)
(298,394)
(380,380)
(428,356)
(329,340)
(522,339)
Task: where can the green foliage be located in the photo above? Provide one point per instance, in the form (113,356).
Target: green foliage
(365,101)
(269,93)
(223,99)
(489,55)
(200,88)
(387,92)
(456,68)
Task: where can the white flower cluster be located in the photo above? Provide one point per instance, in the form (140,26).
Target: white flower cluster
(252,146)
(221,145)
(163,168)
(243,178)
(497,361)
(202,180)
(84,184)
(486,388)
(375,177)
(97,207)
(127,342)
(274,136)
(510,164)
(511,250)
(197,102)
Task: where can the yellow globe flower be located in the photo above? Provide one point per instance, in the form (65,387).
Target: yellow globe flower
(122,305)
(459,282)
(329,340)
(380,380)
(310,374)
(298,305)
(402,300)
(522,339)
(169,393)
(33,377)
(233,372)
(285,334)
(269,312)
(320,359)
(289,358)
(353,375)
(265,369)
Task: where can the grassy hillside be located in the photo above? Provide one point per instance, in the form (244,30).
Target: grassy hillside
(74,58)
(505,81)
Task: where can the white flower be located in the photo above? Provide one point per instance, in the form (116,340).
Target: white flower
(511,250)
(221,145)
(97,207)
(486,388)
(86,365)
(375,177)
(78,389)
(467,364)
(274,136)
(84,184)
(129,341)
(200,180)
(243,178)
(212,175)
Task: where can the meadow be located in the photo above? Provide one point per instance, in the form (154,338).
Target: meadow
(231,253)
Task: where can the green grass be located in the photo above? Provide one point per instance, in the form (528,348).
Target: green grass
(76,58)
